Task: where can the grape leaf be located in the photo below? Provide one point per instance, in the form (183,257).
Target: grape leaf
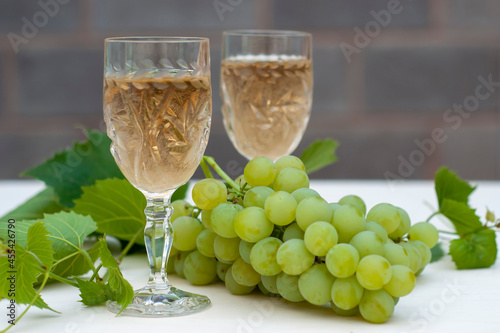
(463,217)
(319,154)
(116,206)
(78,166)
(449,186)
(121,290)
(180,193)
(25,267)
(437,252)
(93,293)
(45,202)
(476,250)
(68,231)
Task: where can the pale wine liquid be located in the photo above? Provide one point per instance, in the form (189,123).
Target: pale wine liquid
(267,103)
(159,128)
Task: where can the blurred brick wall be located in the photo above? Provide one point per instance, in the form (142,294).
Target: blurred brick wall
(381,101)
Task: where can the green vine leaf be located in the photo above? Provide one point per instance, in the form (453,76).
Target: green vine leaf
(78,166)
(116,206)
(319,154)
(476,250)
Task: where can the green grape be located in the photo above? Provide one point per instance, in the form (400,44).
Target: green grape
(222,219)
(186,229)
(402,281)
(171,265)
(288,287)
(290,179)
(244,274)
(376,306)
(333,206)
(198,269)
(342,260)
(260,171)
(227,249)
(180,208)
(373,272)
(221,270)
(245,248)
(348,221)
(424,250)
(263,256)
(315,285)
(252,225)
(241,181)
(386,215)
(264,290)
(311,210)
(206,214)
(293,257)
(424,232)
(320,237)
(234,287)
(346,293)
(293,231)
(256,196)
(396,254)
(179,259)
(367,242)
(280,208)
(269,283)
(345,313)
(403,227)
(302,193)
(414,256)
(289,161)
(355,201)
(378,229)
(205,243)
(208,193)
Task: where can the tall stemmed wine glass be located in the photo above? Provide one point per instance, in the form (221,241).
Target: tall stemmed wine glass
(158,108)
(266,89)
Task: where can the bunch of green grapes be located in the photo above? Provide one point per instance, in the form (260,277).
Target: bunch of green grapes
(276,235)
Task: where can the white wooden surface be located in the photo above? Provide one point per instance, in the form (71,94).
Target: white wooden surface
(444,300)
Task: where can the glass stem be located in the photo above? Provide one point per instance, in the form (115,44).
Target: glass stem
(158,237)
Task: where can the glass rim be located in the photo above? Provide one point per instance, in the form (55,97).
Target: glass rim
(266,33)
(155,39)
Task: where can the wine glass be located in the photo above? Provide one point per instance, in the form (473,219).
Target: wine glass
(158,108)
(266,89)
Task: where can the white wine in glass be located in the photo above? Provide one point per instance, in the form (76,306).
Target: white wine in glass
(266,88)
(158,108)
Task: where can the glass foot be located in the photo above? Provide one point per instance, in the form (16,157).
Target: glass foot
(149,302)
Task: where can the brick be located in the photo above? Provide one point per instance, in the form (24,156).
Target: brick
(63,18)
(329,76)
(367,154)
(473,152)
(60,82)
(3,95)
(474,13)
(21,152)
(426,79)
(146,15)
(295,14)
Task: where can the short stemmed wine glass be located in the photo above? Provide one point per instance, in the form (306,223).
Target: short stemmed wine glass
(266,89)
(158,108)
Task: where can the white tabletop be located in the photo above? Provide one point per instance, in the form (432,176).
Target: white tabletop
(444,299)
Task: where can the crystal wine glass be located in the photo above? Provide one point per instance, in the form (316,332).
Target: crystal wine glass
(266,89)
(158,108)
